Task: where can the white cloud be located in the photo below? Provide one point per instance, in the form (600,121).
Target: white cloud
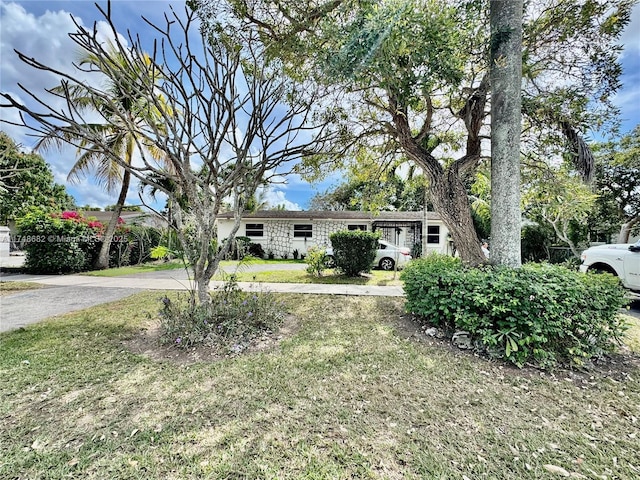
(45,37)
(275,196)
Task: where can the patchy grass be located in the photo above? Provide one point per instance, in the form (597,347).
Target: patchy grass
(353,393)
(376,277)
(262,261)
(133,269)
(7,287)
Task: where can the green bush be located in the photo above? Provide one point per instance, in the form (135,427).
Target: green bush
(354,250)
(255,250)
(132,245)
(540,313)
(144,239)
(230,321)
(315,260)
(58,242)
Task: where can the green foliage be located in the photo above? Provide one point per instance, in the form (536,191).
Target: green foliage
(57,243)
(27,181)
(231,320)
(540,313)
(255,250)
(239,248)
(617,182)
(132,245)
(558,198)
(315,260)
(372,186)
(125,208)
(354,250)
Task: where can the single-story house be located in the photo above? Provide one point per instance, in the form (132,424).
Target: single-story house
(281,232)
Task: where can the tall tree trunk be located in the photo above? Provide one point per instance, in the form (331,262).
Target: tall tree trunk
(102,261)
(625,230)
(506,112)
(450,200)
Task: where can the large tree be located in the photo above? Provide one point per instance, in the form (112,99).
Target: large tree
(412,77)
(27,181)
(227,121)
(126,105)
(506,117)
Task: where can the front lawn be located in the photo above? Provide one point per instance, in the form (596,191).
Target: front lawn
(376,277)
(133,269)
(348,392)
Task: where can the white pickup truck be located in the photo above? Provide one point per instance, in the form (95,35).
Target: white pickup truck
(622,260)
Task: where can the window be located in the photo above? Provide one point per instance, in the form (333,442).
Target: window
(357,227)
(433,234)
(302,231)
(255,230)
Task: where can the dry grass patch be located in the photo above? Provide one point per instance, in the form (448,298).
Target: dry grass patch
(330,277)
(352,391)
(9,287)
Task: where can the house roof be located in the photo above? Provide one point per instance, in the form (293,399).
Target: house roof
(338,215)
(105,217)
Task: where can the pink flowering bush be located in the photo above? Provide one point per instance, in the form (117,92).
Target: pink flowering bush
(58,242)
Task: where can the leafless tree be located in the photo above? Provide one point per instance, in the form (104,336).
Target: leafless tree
(226,118)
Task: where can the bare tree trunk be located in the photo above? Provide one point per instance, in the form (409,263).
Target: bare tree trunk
(506,80)
(450,200)
(102,261)
(625,230)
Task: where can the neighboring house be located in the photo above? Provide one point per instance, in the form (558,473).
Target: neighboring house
(281,232)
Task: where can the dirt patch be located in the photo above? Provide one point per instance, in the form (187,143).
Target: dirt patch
(147,343)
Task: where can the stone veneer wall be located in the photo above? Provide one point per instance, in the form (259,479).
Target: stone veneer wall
(278,236)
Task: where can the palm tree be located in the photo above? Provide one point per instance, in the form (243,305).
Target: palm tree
(116,133)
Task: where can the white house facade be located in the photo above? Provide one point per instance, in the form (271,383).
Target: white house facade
(281,232)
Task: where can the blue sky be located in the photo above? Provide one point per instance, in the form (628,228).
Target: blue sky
(40,29)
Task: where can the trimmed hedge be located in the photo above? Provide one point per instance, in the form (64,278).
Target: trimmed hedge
(540,313)
(354,250)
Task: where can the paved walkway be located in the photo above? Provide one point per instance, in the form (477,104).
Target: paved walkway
(68,293)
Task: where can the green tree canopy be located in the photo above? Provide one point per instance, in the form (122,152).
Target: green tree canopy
(27,181)
(617,183)
(411,78)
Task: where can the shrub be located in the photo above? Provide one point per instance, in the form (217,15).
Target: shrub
(256,250)
(231,321)
(315,260)
(540,313)
(58,242)
(354,250)
(132,244)
(145,239)
(171,246)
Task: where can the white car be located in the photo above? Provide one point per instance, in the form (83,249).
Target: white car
(622,260)
(387,256)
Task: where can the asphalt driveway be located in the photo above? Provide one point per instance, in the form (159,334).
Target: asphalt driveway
(31,306)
